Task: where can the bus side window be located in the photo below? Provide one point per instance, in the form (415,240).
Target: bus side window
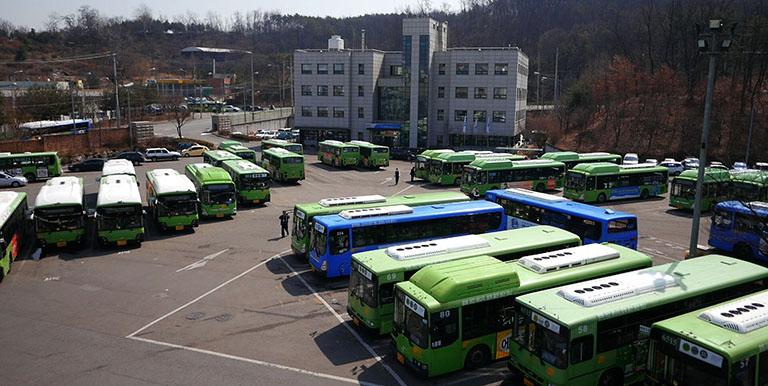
(339,242)
(722,219)
(386,293)
(445,327)
(624,225)
(590,183)
(582,349)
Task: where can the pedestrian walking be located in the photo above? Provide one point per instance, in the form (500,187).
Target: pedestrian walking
(413,173)
(397,175)
(284,223)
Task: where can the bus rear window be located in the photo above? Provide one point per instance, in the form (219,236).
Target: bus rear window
(623,225)
(293,160)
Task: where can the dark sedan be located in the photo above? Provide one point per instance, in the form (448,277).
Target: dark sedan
(135,157)
(89,165)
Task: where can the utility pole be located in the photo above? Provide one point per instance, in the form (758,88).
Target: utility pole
(117,93)
(538,80)
(711,48)
(72,97)
(749,136)
(557,79)
(253,101)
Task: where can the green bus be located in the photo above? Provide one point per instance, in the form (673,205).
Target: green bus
(461,314)
(283,165)
(571,159)
(252,181)
(423,160)
(119,212)
(596,332)
(485,174)
(172,199)
(59,214)
(216,157)
(716,187)
(303,214)
(724,345)
(601,181)
(293,147)
(33,166)
(14,229)
(447,168)
(338,154)
(371,155)
(373,274)
(215,189)
(749,185)
(242,152)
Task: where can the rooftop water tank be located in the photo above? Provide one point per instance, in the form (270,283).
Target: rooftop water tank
(335,43)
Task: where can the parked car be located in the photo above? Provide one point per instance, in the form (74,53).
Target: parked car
(185,145)
(153,108)
(739,166)
(12,181)
(631,159)
(230,109)
(761,165)
(717,165)
(675,168)
(690,163)
(653,161)
(194,151)
(161,153)
(89,165)
(136,157)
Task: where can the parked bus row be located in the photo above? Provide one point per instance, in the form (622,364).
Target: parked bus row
(718,185)
(354,153)
(278,159)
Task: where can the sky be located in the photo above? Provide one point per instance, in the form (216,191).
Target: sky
(35,13)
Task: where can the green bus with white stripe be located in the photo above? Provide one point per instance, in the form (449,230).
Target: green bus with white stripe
(371,155)
(172,200)
(33,166)
(338,154)
(447,168)
(485,174)
(119,211)
(216,157)
(715,188)
(215,189)
(252,181)
(242,152)
(423,161)
(283,165)
(293,147)
(60,213)
(14,229)
(373,274)
(602,181)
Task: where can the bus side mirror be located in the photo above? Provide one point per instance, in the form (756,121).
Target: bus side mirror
(31,217)
(91,213)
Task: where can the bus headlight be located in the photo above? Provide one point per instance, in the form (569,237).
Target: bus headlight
(324,266)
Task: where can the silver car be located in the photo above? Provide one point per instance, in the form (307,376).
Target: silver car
(12,181)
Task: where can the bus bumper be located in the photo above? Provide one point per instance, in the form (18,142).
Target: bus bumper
(358,321)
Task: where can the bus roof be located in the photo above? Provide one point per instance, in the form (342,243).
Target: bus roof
(229,142)
(9,201)
(337,204)
(169,181)
(710,175)
(504,164)
(66,190)
(607,168)
(734,335)
(27,154)
(366,144)
(418,212)
(433,152)
(475,279)
(208,174)
(334,143)
(240,166)
(561,204)
(564,156)
(118,189)
(221,155)
(236,148)
(397,257)
(462,156)
(755,207)
(118,166)
(278,142)
(757,177)
(279,152)
(624,293)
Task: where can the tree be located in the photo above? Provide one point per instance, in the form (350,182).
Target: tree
(181,116)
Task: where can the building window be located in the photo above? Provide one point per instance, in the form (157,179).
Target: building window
(322,90)
(441,92)
(481,93)
(322,68)
(459,115)
(462,68)
(500,68)
(481,68)
(522,94)
(338,90)
(441,69)
(522,69)
(361,69)
(461,93)
(338,69)
(480,115)
(499,93)
(306,69)
(306,111)
(338,112)
(322,111)
(360,91)
(396,70)
(306,90)
(500,116)
(440,114)
(361,112)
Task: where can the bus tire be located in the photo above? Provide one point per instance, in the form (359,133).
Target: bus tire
(601,197)
(612,377)
(30,177)
(477,357)
(644,194)
(742,251)
(540,188)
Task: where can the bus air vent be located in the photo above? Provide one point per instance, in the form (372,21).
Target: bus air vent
(742,316)
(758,205)
(493,155)
(595,154)
(617,287)
(568,258)
(638,166)
(436,247)
(374,212)
(532,162)
(337,201)
(536,195)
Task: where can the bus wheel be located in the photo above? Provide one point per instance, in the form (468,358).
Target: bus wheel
(644,194)
(476,358)
(612,377)
(30,177)
(540,188)
(601,197)
(742,251)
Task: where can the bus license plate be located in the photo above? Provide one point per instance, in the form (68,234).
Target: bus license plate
(356,321)
(61,244)
(179,227)
(401,359)
(223,206)
(219,215)
(120,243)
(528,382)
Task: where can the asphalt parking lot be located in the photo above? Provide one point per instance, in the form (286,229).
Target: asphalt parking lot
(226,304)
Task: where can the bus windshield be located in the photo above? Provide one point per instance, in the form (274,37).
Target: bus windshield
(413,325)
(177,205)
(253,181)
(219,194)
(672,367)
(300,223)
(247,155)
(544,338)
(684,188)
(362,287)
(59,219)
(350,150)
(120,217)
(293,160)
(576,181)
(293,148)
(319,241)
(472,176)
(381,150)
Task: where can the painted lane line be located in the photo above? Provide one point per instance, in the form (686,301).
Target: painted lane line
(346,325)
(658,253)
(408,187)
(202,262)
(388,179)
(195,300)
(253,361)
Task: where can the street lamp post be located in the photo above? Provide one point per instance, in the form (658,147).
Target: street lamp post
(710,45)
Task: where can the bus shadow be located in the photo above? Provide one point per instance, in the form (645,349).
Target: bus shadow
(331,344)
(328,168)
(629,201)
(680,213)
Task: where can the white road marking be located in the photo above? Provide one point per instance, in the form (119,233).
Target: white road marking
(202,262)
(195,300)
(346,325)
(658,253)
(406,188)
(253,361)
(386,180)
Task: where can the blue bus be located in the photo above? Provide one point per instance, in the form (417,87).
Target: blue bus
(741,228)
(336,237)
(592,224)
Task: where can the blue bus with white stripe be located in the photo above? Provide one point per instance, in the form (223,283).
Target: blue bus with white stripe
(592,224)
(740,229)
(336,237)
